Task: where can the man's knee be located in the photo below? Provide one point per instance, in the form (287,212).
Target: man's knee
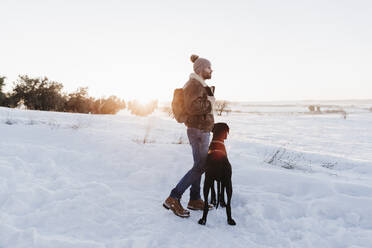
(198,169)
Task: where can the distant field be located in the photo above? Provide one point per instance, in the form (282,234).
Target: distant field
(98,181)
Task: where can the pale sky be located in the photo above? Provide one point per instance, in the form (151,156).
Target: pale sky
(259,50)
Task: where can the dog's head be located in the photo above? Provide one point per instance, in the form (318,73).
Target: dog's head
(220,130)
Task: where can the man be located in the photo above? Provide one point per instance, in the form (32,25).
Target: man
(198,102)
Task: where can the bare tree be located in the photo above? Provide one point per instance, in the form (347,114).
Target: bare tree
(222,106)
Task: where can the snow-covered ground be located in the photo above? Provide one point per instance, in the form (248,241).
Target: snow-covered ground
(75,180)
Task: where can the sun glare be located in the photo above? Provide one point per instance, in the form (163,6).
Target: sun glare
(144,100)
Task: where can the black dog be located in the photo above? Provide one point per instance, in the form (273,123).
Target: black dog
(218,169)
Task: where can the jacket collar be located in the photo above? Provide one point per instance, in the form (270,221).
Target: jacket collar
(199,78)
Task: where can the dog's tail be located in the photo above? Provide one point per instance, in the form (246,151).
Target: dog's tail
(218,193)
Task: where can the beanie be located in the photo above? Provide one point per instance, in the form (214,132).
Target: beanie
(199,63)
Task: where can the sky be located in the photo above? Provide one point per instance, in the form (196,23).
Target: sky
(263,50)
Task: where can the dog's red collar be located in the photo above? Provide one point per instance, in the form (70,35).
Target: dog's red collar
(218,141)
(216,150)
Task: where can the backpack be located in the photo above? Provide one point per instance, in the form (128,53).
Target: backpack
(178,106)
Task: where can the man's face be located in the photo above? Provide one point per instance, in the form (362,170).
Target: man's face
(207,73)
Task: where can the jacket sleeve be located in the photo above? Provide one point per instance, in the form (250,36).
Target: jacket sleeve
(196,100)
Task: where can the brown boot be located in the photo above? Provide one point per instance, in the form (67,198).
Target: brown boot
(175,205)
(197,205)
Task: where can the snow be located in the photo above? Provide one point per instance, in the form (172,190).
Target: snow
(75,180)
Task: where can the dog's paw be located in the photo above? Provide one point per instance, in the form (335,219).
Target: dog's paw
(222,204)
(214,202)
(231,222)
(202,222)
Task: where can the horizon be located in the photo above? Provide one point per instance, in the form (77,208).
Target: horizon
(259,50)
(8,89)
(294,101)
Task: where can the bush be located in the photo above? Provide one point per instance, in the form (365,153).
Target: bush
(43,94)
(110,105)
(78,102)
(4,98)
(2,95)
(38,94)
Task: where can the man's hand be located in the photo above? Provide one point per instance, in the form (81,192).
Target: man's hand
(212,89)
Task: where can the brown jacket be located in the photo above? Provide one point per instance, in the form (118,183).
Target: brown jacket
(197,105)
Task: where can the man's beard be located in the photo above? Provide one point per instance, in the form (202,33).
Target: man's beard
(207,75)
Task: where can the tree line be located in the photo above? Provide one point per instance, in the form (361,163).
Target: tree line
(44,94)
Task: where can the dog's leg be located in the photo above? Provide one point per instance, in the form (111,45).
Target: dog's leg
(207,185)
(230,221)
(213,195)
(218,192)
(222,196)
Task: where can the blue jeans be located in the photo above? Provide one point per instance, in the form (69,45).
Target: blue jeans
(199,141)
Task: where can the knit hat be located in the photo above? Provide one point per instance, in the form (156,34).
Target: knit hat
(199,63)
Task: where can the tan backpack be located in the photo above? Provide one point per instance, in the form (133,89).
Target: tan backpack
(178,106)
